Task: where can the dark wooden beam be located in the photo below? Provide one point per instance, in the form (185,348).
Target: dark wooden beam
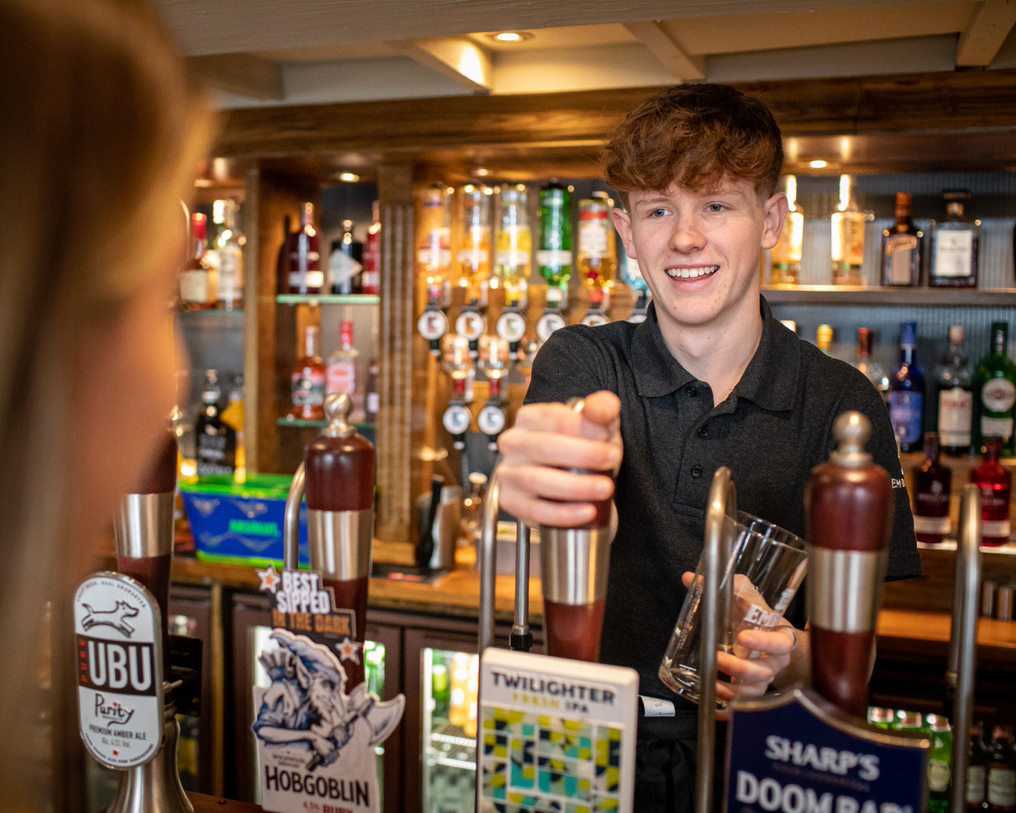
(920,103)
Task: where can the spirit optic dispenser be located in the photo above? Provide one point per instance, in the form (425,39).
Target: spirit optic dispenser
(597,255)
(337,476)
(434,261)
(493,363)
(554,254)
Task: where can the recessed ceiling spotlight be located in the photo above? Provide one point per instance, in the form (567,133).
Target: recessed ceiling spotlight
(818,163)
(348,177)
(482,172)
(511,36)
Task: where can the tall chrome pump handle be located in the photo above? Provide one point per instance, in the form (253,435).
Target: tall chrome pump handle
(722,503)
(963,638)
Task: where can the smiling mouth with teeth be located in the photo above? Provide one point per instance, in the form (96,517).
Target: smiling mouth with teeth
(692,272)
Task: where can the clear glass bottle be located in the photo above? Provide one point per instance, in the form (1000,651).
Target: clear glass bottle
(785,267)
(345,262)
(906,393)
(554,254)
(197,280)
(995,392)
(954,380)
(847,224)
(229,244)
(341,374)
(308,380)
(902,248)
(932,489)
(994,481)
(954,245)
(475,204)
(597,251)
(513,254)
(434,244)
(867,364)
(305,274)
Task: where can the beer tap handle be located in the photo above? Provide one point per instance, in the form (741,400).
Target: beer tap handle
(291,521)
(849,516)
(963,638)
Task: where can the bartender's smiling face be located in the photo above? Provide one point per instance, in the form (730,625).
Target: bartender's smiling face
(699,250)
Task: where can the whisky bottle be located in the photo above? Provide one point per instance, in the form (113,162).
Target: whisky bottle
(215,440)
(786,254)
(954,245)
(847,224)
(902,245)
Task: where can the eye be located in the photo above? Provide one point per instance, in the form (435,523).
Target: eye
(658,212)
(716,208)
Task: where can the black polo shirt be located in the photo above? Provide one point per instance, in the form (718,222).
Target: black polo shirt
(771,431)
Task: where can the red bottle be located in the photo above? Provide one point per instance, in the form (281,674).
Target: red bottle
(995,484)
(308,393)
(370,279)
(933,483)
(305,274)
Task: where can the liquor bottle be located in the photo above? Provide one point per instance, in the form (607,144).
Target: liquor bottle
(932,488)
(939,763)
(786,254)
(197,280)
(847,224)
(977,769)
(1001,772)
(370,279)
(282,257)
(475,203)
(867,364)
(597,250)
(911,721)
(372,398)
(229,243)
(233,416)
(954,379)
(824,339)
(434,245)
(305,274)
(514,245)
(994,481)
(345,262)
(340,375)
(902,245)
(880,717)
(554,254)
(214,439)
(995,389)
(954,245)
(906,393)
(308,380)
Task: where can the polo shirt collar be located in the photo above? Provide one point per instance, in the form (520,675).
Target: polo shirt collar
(770,379)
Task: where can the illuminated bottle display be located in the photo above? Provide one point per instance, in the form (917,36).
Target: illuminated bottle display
(597,251)
(474,245)
(786,254)
(434,244)
(554,254)
(514,245)
(847,224)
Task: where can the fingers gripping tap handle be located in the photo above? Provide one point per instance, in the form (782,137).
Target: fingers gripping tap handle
(574,564)
(849,510)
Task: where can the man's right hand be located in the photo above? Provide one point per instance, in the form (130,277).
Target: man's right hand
(546,441)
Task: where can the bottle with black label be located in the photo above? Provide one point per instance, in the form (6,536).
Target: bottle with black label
(215,439)
(1002,772)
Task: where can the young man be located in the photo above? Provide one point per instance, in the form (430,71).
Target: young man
(710,379)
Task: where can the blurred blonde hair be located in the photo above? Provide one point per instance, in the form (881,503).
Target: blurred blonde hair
(102,134)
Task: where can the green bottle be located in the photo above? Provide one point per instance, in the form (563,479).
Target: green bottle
(939,763)
(554,252)
(995,392)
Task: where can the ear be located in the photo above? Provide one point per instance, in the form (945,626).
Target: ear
(622,222)
(774,213)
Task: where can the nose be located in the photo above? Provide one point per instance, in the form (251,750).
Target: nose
(688,236)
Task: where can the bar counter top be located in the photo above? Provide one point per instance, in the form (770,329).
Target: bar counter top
(457,594)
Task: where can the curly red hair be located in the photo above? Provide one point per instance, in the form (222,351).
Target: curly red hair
(695,135)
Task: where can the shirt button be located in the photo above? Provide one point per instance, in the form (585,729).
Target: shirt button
(696,471)
(691,391)
(703,432)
